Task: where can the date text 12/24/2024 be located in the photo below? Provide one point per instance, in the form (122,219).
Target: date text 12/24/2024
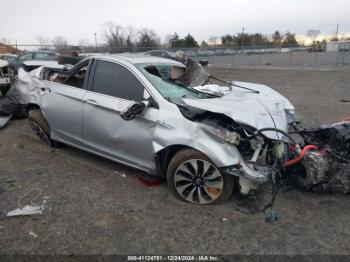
(173,258)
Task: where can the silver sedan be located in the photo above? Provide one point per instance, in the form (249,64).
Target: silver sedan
(145,112)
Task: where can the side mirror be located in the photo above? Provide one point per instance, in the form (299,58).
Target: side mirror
(134,109)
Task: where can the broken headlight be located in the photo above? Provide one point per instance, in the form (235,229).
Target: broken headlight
(228,136)
(292,116)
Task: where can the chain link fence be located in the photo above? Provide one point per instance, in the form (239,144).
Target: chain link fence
(225,56)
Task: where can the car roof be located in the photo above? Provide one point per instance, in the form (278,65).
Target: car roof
(139,59)
(6,54)
(41,51)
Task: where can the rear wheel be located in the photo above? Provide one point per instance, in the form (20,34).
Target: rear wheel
(195,179)
(40,127)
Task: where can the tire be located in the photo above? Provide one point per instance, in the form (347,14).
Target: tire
(41,128)
(202,183)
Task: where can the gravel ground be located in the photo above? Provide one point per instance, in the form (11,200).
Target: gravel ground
(92,208)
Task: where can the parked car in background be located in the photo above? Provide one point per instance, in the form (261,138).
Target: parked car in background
(32,56)
(5,78)
(161,53)
(174,56)
(8,57)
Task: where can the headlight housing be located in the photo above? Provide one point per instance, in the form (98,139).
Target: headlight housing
(228,136)
(292,116)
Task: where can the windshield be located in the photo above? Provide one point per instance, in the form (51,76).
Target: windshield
(162,78)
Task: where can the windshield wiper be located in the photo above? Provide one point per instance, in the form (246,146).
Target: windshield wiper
(231,84)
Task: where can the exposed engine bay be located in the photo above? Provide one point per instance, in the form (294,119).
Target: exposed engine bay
(320,162)
(326,167)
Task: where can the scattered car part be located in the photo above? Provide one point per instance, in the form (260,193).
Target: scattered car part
(11,107)
(25,211)
(32,209)
(4,120)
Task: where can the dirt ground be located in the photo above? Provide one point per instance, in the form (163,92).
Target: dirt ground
(92,208)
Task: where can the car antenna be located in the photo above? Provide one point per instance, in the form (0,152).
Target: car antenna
(228,83)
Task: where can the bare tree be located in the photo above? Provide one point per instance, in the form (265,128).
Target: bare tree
(43,41)
(130,35)
(313,33)
(113,34)
(167,39)
(148,38)
(60,43)
(5,41)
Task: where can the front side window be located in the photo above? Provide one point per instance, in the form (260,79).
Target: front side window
(74,77)
(77,79)
(117,81)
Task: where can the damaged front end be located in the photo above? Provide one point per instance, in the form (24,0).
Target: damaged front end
(257,155)
(326,168)
(263,127)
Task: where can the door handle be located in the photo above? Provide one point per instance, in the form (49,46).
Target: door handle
(92,102)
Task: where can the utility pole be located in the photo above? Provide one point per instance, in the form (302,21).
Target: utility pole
(242,37)
(96,41)
(336,32)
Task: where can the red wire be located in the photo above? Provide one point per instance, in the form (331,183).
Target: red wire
(301,155)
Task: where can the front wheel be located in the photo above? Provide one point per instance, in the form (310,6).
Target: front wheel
(195,179)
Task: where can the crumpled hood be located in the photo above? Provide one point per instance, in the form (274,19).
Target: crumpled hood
(244,106)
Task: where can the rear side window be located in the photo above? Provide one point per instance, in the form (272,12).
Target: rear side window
(115,80)
(41,56)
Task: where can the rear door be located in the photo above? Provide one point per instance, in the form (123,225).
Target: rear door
(113,88)
(62,105)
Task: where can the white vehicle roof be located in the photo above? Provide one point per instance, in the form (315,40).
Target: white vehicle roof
(140,59)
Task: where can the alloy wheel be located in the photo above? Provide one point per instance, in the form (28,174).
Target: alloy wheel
(198,181)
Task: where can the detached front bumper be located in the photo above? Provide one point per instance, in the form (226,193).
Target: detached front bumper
(249,179)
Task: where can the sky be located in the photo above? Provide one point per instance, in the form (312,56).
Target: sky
(22,20)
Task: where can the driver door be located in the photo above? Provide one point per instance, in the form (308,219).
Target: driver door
(105,132)
(62,104)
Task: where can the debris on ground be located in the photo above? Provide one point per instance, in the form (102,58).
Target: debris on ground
(31,233)
(120,173)
(32,209)
(26,210)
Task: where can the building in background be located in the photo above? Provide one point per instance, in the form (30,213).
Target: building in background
(7,49)
(336,46)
